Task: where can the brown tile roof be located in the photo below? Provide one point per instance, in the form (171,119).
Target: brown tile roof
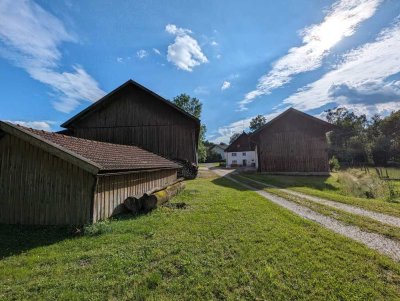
(108,156)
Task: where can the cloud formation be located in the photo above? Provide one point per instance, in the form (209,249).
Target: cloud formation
(225,85)
(142,53)
(341,21)
(30,38)
(361,79)
(185,52)
(39,125)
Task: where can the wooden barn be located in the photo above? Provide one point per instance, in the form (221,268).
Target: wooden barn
(293,142)
(134,115)
(53,179)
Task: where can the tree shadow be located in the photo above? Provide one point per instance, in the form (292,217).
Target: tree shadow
(16,239)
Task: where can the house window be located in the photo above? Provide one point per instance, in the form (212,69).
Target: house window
(244,154)
(234,162)
(233,154)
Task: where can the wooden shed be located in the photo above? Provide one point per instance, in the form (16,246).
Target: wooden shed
(293,142)
(134,115)
(53,179)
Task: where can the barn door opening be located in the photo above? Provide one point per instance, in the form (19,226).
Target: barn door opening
(244,162)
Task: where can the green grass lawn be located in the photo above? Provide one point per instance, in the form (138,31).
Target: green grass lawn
(228,243)
(329,188)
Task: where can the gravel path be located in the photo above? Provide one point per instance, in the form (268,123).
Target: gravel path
(380,217)
(374,241)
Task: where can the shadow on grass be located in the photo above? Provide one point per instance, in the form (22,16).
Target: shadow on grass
(226,182)
(15,239)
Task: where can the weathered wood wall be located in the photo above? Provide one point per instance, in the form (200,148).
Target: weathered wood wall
(39,188)
(112,191)
(293,144)
(134,117)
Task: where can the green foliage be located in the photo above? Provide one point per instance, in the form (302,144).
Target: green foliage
(189,104)
(334,164)
(202,152)
(234,137)
(213,156)
(97,228)
(257,122)
(357,140)
(232,244)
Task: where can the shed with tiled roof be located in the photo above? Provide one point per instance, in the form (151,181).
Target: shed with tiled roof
(52,179)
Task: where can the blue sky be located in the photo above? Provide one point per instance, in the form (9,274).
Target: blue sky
(240,58)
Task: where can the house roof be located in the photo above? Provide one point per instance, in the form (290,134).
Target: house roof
(241,144)
(105,98)
(221,146)
(325,125)
(95,157)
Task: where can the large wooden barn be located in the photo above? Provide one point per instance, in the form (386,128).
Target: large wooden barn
(53,179)
(134,115)
(293,142)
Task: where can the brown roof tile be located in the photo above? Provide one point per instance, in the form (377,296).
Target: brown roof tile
(109,156)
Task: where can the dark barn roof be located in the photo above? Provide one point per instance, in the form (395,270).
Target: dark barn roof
(105,157)
(325,126)
(241,144)
(105,98)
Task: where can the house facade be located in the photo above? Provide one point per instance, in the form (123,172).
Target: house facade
(219,149)
(241,152)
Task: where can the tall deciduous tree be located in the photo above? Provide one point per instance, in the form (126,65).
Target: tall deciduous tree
(257,122)
(193,106)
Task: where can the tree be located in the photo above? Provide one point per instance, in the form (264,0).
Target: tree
(193,106)
(257,122)
(233,137)
(189,104)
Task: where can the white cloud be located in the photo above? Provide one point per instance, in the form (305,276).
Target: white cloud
(218,56)
(225,85)
(214,43)
(185,52)
(39,125)
(341,21)
(201,90)
(142,53)
(30,38)
(360,79)
(156,51)
(120,60)
(225,132)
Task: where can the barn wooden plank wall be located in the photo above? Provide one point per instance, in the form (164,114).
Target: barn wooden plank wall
(294,143)
(134,117)
(293,151)
(39,188)
(111,191)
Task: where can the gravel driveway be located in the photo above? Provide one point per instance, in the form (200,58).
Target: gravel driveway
(374,241)
(380,217)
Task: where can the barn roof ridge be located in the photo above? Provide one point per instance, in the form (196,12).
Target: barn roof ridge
(78,151)
(94,105)
(291,109)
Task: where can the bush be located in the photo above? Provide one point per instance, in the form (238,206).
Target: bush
(334,164)
(97,228)
(360,184)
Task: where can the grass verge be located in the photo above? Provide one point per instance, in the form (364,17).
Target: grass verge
(229,243)
(325,187)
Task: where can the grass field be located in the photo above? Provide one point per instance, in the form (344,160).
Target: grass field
(329,188)
(228,243)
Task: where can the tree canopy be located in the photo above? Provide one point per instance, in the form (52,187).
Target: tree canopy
(257,122)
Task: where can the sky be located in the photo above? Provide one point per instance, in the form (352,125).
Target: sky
(240,58)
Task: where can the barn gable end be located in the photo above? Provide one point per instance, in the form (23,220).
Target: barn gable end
(134,115)
(293,142)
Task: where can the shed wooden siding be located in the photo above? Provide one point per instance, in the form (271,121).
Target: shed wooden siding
(111,191)
(133,117)
(39,188)
(293,143)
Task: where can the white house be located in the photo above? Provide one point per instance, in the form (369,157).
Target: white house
(219,149)
(241,152)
